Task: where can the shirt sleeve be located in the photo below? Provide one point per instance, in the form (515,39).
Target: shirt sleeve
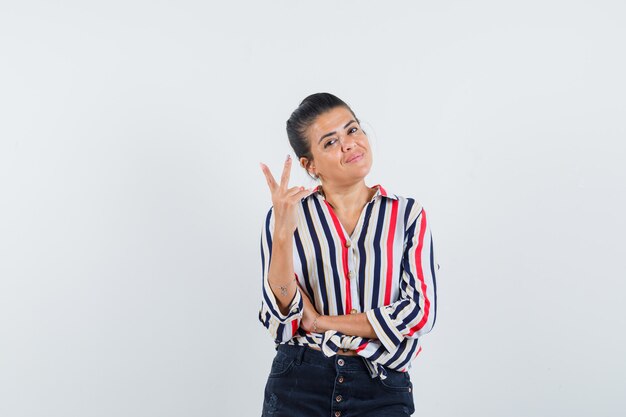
(282,327)
(415,311)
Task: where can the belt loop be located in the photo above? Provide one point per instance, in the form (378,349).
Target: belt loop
(300,354)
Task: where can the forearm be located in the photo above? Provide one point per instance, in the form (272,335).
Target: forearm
(348,324)
(281,273)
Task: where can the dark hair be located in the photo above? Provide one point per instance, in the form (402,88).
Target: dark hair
(302,117)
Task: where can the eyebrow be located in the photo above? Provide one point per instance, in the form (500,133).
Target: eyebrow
(332,133)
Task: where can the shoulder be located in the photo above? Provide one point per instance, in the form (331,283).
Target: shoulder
(409,202)
(410,206)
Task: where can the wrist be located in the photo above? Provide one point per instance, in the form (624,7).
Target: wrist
(283,236)
(319,324)
(317,328)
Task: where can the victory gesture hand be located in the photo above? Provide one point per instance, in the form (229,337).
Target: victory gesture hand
(285,201)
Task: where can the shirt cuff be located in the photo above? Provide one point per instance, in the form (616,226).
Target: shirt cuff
(385,329)
(293,311)
(333,340)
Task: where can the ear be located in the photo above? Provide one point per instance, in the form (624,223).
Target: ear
(307,165)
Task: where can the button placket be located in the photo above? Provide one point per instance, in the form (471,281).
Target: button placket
(338,398)
(352,276)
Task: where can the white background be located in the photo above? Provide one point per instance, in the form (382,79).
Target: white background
(131,199)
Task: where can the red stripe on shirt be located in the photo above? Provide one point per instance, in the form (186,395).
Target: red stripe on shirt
(362,346)
(344,257)
(294,323)
(420,275)
(417,353)
(390,240)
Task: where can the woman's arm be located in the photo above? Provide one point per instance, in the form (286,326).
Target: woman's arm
(279,313)
(350,324)
(280,275)
(413,314)
(281,307)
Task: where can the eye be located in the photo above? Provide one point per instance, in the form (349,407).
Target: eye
(353,130)
(330,142)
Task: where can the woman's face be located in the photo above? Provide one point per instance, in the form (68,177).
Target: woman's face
(340,149)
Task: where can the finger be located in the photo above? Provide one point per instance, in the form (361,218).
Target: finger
(302,194)
(284,179)
(271,182)
(293,191)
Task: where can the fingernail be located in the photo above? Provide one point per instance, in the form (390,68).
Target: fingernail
(288,157)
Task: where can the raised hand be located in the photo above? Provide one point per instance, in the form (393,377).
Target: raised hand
(285,200)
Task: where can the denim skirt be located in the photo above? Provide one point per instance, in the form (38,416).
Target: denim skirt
(305,383)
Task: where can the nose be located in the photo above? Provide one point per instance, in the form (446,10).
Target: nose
(347,143)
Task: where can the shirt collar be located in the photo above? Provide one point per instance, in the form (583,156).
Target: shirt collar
(380,191)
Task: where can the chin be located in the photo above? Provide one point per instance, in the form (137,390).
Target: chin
(362,173)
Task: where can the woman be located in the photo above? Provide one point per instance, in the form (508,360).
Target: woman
(351,283)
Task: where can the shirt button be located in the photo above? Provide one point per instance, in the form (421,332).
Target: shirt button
(348,243)
(337,413)
(340,362)
(353,311)
(338,398)
(340,380)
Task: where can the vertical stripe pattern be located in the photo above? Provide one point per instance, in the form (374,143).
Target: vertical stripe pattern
(386,268)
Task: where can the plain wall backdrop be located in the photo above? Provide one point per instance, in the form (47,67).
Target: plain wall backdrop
(131,198)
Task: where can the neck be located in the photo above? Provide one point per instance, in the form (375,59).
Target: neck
(348,198)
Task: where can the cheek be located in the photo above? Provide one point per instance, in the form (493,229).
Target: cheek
(331,159)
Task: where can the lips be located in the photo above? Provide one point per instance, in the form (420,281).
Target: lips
(354,158)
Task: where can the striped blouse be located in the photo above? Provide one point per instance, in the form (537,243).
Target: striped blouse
(386,269)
